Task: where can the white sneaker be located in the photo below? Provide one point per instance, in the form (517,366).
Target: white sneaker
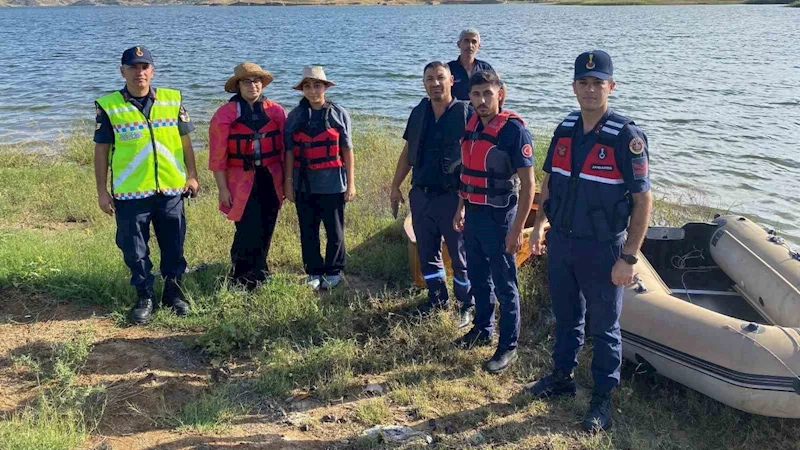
(330,281)
(313,281)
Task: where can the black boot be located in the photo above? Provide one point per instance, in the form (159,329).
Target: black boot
(598,418)
(560,382)
(465,317)
(473,338)
(173,298)
(501,360)
(142,311)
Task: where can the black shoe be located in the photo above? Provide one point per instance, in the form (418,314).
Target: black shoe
(558,383)
(142,311)
(501,360)
(465,317)
(598,418)
(430,307)
(173,298)
(472,339)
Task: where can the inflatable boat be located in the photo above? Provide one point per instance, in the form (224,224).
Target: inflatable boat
(715,307)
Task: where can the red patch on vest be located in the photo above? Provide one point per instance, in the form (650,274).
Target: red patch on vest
(527,150)
(562,150)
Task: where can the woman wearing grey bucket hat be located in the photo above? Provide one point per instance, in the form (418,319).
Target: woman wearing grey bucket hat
(319,157)
(246,156)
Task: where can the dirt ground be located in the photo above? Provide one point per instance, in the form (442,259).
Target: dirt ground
(149,375)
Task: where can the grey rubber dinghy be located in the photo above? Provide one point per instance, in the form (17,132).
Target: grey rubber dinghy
(716,307)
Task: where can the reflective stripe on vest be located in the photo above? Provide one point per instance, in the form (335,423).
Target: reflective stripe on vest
(486,174)
(593,200)
(320,151)
(147,155)
(242,138)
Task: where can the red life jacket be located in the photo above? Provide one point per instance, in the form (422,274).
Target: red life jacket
(320,151)
(487,173)
(241,141)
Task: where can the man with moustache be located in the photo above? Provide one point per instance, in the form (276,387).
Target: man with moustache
(596,196)
(462,68)
(142,135)
(433,154)
(497,188)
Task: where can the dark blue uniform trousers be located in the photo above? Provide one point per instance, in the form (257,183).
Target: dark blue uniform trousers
(432,217)
(492,271)
(580,281)
(133,233)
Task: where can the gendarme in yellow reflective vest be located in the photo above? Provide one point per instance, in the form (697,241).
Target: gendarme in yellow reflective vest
(147,155)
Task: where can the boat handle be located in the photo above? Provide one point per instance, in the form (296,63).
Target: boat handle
(639,287)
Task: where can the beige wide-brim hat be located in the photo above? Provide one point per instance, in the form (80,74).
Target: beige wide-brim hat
(247,70)
(313,73)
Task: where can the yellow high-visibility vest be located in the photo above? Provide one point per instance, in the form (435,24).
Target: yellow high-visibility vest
(147,155)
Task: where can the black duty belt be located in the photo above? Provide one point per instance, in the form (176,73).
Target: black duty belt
(434,189)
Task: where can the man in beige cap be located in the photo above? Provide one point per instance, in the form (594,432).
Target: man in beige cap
(246,156)
(319,157)
(469,41)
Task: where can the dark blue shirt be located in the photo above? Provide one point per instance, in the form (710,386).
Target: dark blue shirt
(104,133)
(634,166)
(461,77)
(322,181)
(429,172)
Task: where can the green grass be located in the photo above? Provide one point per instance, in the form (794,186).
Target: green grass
(43,427)
(211,412)
(373,411)
(62,414)
(55,241)
(795,4)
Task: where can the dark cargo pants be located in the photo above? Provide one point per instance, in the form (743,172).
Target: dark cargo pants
(432,217)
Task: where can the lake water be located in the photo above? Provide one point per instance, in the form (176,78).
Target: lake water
(717,88)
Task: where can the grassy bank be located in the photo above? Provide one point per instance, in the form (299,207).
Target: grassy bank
(262,352)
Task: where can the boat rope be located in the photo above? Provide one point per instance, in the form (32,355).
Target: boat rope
(679,262)
(728,327)
(774,238)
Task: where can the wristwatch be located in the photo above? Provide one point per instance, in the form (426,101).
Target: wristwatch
(630,259)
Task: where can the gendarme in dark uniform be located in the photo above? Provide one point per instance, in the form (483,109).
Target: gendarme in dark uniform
(142,140)
(598,178)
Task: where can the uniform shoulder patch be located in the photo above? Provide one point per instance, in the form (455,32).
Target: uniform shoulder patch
(640,167)
(637,145)
(527,150)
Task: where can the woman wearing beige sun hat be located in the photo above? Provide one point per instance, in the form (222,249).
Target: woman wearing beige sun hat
(320,180)
(246,155)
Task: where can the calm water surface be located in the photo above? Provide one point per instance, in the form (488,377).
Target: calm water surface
(717,88)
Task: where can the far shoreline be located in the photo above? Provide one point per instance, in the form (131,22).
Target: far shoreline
(47,3)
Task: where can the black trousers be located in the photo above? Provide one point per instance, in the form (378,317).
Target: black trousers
(133,233)
(254,231)
(328,209)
